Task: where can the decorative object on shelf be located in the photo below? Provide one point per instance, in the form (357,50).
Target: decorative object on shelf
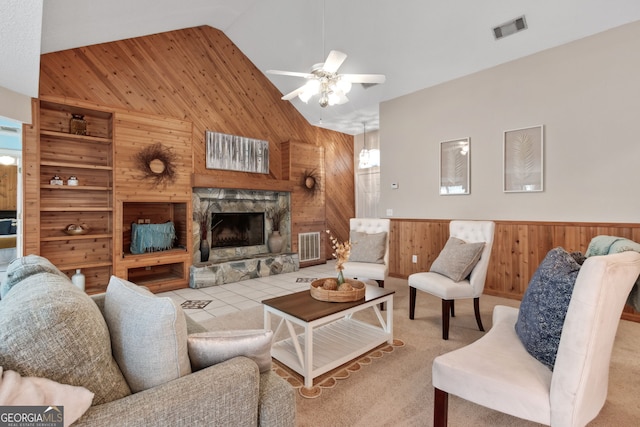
(310,181)
(56,181)
(77,124)
(76,229)
(78,279)
(341,252)
(275,242)
(204,250)
(72,181)
(152,237)
(523,159)
(238,153)
(203,215)
(327,290)
(157,163)
(454,167)
(277,215)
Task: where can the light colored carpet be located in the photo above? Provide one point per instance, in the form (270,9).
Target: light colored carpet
(396,390)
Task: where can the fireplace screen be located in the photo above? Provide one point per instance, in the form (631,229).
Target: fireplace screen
(237,229)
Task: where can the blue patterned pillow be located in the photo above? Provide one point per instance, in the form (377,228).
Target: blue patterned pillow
(544,305)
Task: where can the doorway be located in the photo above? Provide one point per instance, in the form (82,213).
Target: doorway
(10,191)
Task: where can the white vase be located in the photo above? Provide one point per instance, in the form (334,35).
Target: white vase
(274,242)
(78,279)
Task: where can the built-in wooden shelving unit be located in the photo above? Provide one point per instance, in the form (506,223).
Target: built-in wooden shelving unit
(89,158)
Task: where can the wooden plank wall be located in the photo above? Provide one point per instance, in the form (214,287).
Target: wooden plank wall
(199,75)
(518,249)
(299,158)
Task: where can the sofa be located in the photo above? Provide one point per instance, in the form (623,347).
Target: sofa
(125,357)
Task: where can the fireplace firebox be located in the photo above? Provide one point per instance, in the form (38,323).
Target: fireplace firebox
(235,229)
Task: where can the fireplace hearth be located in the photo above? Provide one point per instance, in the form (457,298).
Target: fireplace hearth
(237,229)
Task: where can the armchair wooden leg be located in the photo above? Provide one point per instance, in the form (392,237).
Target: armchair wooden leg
(453,308)
(476,308)
(412,302)
(446,309)
(440,408)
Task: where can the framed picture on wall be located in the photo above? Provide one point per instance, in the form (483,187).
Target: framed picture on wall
(454,166)
(523,159)
(231,152)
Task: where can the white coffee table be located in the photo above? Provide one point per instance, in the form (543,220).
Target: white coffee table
(331,336)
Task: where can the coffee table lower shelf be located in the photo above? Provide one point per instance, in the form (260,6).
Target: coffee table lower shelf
(334,344)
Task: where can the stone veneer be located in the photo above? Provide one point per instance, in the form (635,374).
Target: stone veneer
(228,265)
(202,275)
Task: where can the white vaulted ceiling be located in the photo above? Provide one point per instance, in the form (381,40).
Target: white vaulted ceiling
(415,43)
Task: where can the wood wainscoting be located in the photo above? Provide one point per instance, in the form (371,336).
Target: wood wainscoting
(518,249)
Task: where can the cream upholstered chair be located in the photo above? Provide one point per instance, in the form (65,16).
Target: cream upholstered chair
(359,269)
(497,372)
(446,288)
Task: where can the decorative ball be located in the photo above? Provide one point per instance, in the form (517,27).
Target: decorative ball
(330,284)
(346,286)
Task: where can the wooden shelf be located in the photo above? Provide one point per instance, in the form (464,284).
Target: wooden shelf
(81,265)
(76,187)
(76,237)
(154,255)
(74,137)
(76,209)
(74,165)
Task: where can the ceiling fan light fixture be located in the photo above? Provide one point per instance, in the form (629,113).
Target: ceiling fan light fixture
(343,85)
(305,96)
(333,98)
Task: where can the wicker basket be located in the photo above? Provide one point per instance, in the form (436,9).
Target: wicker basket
(319,293)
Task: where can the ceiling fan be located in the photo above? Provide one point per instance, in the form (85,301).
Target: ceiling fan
(324,80)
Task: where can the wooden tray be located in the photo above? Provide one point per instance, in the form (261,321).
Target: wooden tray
(319,293)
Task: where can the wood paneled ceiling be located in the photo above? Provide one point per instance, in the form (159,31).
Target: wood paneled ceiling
(416,43)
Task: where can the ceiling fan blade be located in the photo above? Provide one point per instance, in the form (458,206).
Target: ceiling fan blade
(334,61)
(364,78)
(290,73)
(293,94)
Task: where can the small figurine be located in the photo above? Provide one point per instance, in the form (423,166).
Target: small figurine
(73,180)
(56,181)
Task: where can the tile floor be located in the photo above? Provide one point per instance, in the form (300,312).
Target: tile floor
(242,295)
(247,293)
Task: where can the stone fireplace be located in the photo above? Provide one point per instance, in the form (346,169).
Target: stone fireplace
(237,235)
(238,210)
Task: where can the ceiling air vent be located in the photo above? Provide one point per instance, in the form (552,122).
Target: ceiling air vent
(510,27)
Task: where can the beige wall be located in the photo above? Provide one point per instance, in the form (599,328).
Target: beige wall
(587,96)
(15,106)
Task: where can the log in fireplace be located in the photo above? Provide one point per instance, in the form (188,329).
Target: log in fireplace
(234,229)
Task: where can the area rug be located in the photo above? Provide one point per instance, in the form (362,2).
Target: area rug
(195,304)
(396,390)
(330,379)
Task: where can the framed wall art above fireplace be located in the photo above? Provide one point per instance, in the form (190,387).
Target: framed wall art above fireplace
(238,153)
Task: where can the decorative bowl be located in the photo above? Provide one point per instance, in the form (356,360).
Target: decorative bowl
(321,294)
(76,229)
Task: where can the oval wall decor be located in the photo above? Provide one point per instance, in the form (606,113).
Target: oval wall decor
(157,164)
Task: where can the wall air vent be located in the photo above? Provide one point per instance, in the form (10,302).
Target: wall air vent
(510,27)
(309,246)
